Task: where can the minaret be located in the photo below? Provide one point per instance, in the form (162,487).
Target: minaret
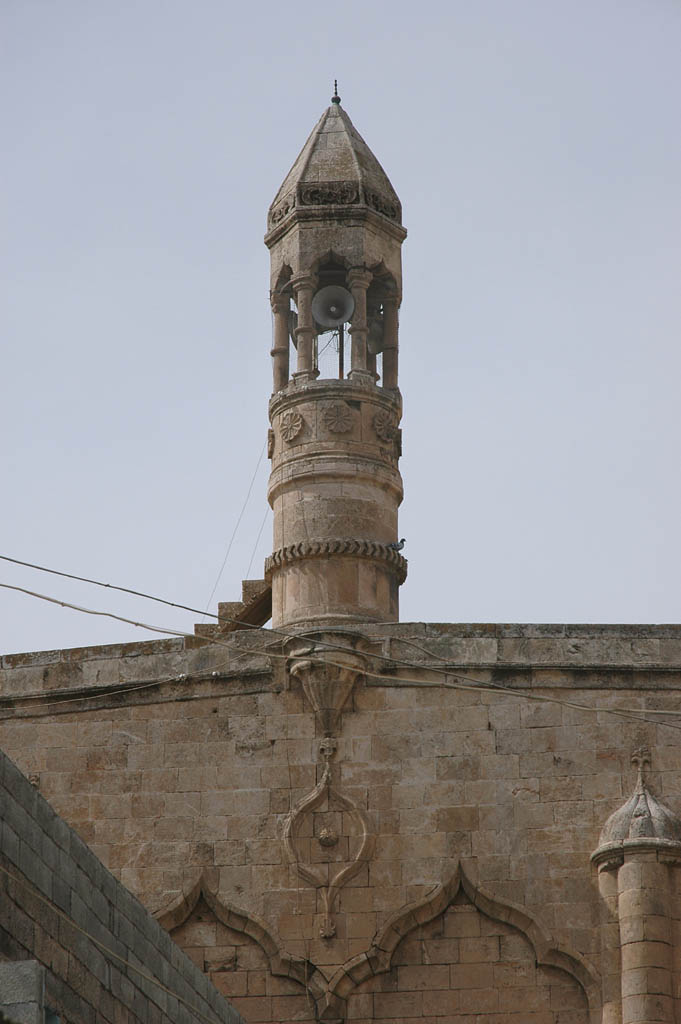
(335,234)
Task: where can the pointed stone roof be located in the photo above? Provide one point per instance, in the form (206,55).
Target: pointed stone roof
(335,168)
(642,821)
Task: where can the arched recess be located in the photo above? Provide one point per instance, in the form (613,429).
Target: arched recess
(378,959)
(279,963)
(330,260)
(283,281)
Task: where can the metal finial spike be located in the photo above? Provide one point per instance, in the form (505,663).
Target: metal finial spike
(335,98)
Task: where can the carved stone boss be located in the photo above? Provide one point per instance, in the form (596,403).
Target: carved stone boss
(327,681)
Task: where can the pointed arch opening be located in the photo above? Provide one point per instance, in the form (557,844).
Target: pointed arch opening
(463,951)
(242,957)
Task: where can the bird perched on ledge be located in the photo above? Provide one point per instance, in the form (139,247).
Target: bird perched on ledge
(398,545)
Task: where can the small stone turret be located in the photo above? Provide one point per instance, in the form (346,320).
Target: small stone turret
(639,846)
(335,227)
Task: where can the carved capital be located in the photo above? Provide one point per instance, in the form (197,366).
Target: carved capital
(280,303)
(359,277)
(304,282)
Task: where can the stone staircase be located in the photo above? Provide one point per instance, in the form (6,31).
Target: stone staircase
(254,609)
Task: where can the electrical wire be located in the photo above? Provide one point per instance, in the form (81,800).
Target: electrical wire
(236,527)
(464,682)
(257,541)
(319,644)
(108,586)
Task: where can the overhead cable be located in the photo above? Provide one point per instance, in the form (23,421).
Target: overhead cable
(464,682)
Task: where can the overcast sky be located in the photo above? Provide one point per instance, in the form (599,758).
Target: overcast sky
(535,146)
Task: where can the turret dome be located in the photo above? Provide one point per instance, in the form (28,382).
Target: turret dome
(642,821)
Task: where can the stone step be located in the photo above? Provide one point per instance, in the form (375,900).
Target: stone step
(255,609)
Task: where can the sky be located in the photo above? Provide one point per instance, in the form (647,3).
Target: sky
(535,147)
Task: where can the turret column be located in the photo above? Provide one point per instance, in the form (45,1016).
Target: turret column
(390,342)
(643,902)
(280,350)
(359,280)
(303,287)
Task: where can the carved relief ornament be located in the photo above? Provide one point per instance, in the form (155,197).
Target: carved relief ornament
(337,418)
(322,875)
(335,193)
(291,425)
(385,425)
(329,193)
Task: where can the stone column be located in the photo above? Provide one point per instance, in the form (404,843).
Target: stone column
(643,902)
(639,844)
(390,335)
(610,948)
(280,350)
(304,287)
(359,280)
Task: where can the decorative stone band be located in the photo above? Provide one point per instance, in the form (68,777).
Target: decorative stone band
(335,193)
(325,548)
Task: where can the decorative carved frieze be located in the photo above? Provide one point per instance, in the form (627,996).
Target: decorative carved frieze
(323,549)
(382,204)
(282,209)
(335,193)
(329,193)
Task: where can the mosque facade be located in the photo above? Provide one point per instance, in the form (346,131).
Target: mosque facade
(348,818)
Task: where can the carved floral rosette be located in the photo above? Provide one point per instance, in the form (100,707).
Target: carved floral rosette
(291,425)
(337,418)
(385,425)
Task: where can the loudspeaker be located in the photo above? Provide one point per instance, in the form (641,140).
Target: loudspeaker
(332,306)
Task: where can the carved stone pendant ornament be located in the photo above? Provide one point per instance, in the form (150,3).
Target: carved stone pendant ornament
(328,875)
(327,681)
(328,665)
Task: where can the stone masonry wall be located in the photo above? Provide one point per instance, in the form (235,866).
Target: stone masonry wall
(461,803)
(61,907)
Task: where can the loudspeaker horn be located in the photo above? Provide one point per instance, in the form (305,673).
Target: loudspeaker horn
(332,306)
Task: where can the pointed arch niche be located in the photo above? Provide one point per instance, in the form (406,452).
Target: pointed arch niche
(462,955)
(242,958)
